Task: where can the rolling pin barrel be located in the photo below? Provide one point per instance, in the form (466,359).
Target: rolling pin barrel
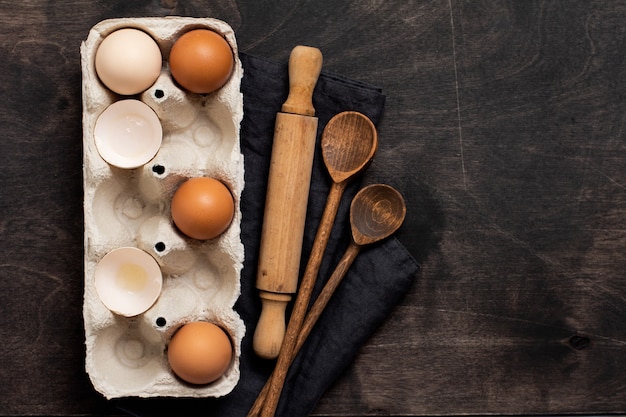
(286,200)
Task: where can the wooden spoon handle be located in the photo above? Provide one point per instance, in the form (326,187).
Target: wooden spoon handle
(311,318)
(325,295)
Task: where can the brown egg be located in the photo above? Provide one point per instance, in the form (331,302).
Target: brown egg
(201,61)
(200,352)
(202,208)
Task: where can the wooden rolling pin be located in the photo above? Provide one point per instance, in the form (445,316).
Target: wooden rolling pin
(286,201)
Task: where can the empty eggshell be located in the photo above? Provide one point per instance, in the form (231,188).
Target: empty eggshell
(128,134)
(128,281)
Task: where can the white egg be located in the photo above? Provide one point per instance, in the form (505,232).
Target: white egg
(128,134)
(128,281)
(128,61)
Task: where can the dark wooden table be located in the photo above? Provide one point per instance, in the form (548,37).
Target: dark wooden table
(504,129)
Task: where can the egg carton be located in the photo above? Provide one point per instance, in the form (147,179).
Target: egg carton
(127,356)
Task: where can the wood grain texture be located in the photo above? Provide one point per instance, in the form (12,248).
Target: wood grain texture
(285,212)
(520,185)
(504,131)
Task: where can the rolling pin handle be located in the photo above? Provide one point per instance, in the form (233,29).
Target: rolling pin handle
(305,65)
(270,330)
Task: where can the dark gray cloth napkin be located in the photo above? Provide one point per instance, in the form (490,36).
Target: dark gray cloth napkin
(377,280)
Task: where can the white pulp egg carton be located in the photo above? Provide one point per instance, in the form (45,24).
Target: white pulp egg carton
(127,356)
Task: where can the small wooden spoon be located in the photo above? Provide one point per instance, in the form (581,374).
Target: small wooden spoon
(376,212)
(349,142)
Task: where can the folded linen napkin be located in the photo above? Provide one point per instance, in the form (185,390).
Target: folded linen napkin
(378,278)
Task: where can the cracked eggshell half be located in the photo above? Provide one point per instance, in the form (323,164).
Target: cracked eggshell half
(128,281)
(128,134)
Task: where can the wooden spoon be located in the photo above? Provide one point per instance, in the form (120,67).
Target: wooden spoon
(349,142)
(376,212)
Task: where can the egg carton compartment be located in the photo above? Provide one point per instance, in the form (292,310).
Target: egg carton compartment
(127,356)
